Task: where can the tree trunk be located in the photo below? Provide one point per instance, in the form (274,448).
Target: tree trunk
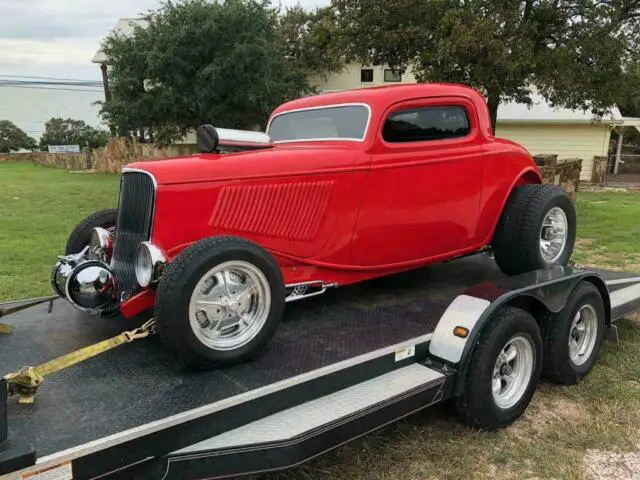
(493,101)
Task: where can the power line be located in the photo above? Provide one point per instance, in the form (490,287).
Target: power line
(47,78)
(41,82)
(51,88)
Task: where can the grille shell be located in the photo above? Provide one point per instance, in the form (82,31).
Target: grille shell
(134,224)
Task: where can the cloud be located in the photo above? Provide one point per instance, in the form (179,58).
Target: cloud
(49,37)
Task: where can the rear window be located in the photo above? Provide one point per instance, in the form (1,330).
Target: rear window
(345,122)
(427,123)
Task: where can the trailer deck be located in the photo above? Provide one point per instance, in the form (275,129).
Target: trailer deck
(138,404)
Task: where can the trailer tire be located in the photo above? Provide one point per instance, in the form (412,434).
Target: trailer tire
(81,235)
(517,242)
(195,333)
(478,405)
(584,309)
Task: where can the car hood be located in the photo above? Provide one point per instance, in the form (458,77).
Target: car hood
(279,160)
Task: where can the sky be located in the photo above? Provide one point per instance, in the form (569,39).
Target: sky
(57,38)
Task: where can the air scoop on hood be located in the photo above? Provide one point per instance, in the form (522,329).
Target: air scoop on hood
(210,139)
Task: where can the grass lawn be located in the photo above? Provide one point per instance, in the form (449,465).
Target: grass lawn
(39,206)
(565,432)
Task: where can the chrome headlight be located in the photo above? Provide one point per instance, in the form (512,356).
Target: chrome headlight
(149,263)
(101,244)
(91,286)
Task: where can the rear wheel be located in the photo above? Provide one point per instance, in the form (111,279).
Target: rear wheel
(537,229)
(503,371)
(81,235)
(220,301)
(572,338)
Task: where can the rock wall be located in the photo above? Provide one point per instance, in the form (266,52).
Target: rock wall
(69,161)
(565,173)
(122,151)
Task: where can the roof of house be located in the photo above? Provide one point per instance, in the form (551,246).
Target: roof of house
(541,111)
(124,26)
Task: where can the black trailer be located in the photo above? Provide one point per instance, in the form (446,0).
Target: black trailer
(340,365)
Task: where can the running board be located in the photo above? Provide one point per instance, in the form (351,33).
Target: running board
(296,434)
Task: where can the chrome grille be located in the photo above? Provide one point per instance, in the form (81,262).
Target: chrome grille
(135,218)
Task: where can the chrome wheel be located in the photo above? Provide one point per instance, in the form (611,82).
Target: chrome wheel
(512,372)
(553,235)
(583,335)
(229,305)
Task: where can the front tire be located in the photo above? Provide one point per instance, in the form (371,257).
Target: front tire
(537,229)
(573,337)
(219,302)
(503,372)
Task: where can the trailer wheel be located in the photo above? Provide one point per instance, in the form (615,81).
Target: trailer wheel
(81,235)
(572,338)
(219,301)
(503,372)
(537,229)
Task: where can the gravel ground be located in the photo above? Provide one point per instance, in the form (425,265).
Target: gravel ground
(603,465)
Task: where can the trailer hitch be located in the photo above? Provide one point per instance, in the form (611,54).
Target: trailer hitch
(25,382)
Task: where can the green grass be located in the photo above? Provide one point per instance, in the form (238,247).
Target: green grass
(39,206)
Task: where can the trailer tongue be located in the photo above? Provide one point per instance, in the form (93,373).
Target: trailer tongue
(340,366)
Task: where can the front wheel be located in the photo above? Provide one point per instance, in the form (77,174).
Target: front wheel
(537,229)
(219,302)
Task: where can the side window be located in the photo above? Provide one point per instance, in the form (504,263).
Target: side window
(427,123)
(391,75)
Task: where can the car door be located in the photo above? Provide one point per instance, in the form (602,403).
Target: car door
(422,194)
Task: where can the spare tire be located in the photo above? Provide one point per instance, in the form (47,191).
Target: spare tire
(537,229)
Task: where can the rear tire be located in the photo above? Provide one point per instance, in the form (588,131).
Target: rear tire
(579,326)
(517,243)
(481,404)
(203,319)
(81,235)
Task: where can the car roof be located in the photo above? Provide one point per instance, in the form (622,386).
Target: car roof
(382,96)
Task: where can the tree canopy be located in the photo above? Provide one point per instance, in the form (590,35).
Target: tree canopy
(227,63)
(67,131)
(577,54)
(13,138)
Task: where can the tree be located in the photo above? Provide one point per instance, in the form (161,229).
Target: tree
(13,138)
(59,131)
(198,62)
(311,39)
(575,53)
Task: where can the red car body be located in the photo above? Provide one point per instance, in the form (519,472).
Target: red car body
(340,212)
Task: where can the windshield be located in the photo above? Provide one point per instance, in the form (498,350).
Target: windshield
(345,122)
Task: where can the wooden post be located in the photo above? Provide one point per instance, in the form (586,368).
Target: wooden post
(105,82)
(620,131)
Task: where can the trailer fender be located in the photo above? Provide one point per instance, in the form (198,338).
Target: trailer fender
(542,291)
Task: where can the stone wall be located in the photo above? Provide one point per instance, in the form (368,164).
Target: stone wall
(69,161)
(122,151)
(565,173)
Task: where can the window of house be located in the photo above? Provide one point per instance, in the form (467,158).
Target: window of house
(366,75)
(391,75)
(427,123)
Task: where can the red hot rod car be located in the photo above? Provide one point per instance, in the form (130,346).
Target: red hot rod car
(343,187)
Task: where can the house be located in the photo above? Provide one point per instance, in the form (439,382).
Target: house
(568,133)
